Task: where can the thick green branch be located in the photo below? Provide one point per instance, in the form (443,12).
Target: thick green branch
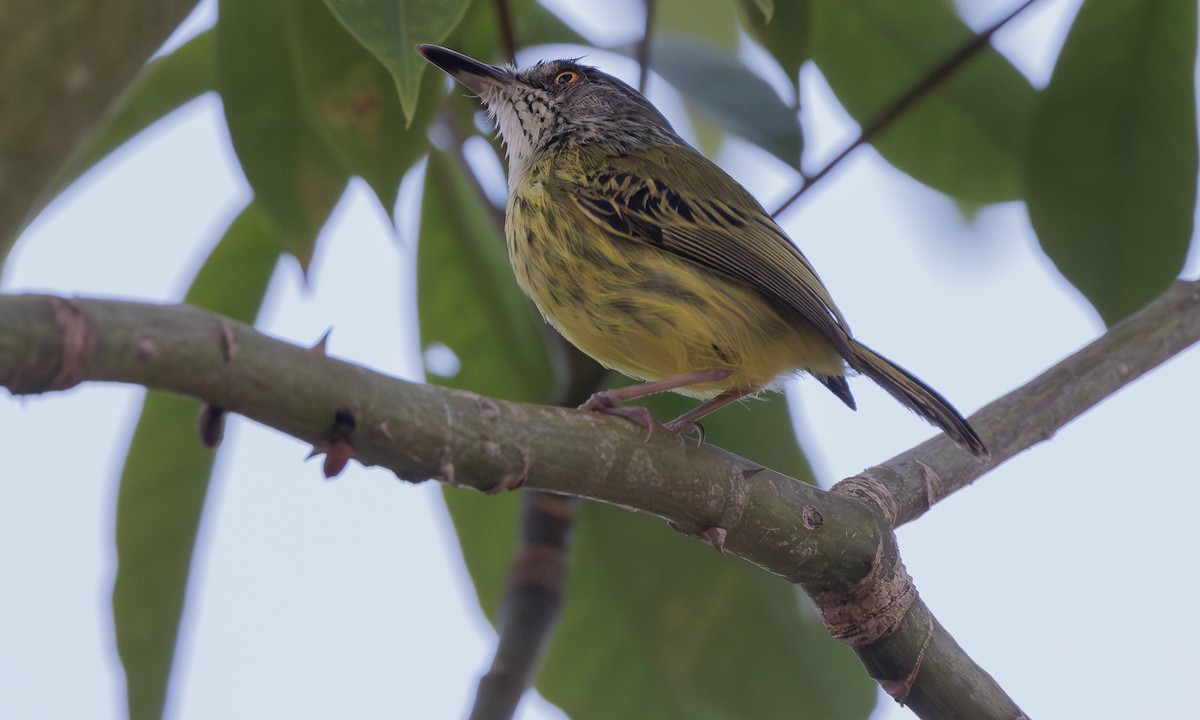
(421,431)
(837,545)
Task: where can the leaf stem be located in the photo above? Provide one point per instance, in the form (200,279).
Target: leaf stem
(643,49)
(907,99)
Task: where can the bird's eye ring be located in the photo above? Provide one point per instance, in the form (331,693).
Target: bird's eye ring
(566,77)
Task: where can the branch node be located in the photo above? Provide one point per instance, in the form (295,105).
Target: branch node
(229,337)
(146,349)
(341,443)
(488,409)
(322,345)
(383,431)
(714,535)
(873,608)
(899,689)
(78,342)
(872,492)
(212,425)
(932,482)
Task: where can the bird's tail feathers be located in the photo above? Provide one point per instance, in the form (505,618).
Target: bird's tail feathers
(916,396)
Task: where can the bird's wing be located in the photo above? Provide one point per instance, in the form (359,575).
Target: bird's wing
(741,242)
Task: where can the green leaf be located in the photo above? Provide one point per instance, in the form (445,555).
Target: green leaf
(467,296)
(164,85)
(533,24)
(166,475)
(651,611)
(351,102)
(295,177)
(1113,153)
(391,29)
(965,137)
(685,633)
(712,21)
(64,65)
(731,94)
(784,32)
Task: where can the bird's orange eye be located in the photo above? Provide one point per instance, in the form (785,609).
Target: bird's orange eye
(566,77)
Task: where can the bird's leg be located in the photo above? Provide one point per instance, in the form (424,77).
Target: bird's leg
(609,401)
(687,421)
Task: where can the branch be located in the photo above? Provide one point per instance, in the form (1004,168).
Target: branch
(508,36)
(838,545)
(643,48)
(531,604)
(907,99)
(906,486)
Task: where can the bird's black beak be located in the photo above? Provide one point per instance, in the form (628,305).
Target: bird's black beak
(470,72)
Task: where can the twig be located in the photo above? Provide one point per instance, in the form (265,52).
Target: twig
(508,36)
(914,481)
(532,600)
(643,50)
(901,104)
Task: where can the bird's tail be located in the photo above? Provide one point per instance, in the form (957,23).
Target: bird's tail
(916,396)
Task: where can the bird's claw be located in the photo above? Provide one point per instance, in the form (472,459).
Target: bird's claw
(605,402)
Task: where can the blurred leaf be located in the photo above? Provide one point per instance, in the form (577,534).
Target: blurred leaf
(732,94)
(166,475)
(351,102)
(64,65)
(165,84)
(467,296)
(967,136)
(391,29)
(295,177)
(651,611)
(1113,153)
(533,24)
(684,633)
(714,21)
(767,8)
(537,25)
(784,33)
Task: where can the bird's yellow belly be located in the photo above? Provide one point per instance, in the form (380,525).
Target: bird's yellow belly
(651,315)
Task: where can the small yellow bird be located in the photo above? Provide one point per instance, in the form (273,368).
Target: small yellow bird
(652,260)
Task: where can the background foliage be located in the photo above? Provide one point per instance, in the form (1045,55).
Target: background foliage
(317,93)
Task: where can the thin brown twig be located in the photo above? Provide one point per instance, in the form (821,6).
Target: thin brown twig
(643,50)
(896,110)
(912,482)
(533,598)
(508,37)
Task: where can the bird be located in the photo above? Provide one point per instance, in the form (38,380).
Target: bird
(652,260)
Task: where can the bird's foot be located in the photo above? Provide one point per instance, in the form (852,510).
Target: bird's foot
(609,402)
(685,427)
